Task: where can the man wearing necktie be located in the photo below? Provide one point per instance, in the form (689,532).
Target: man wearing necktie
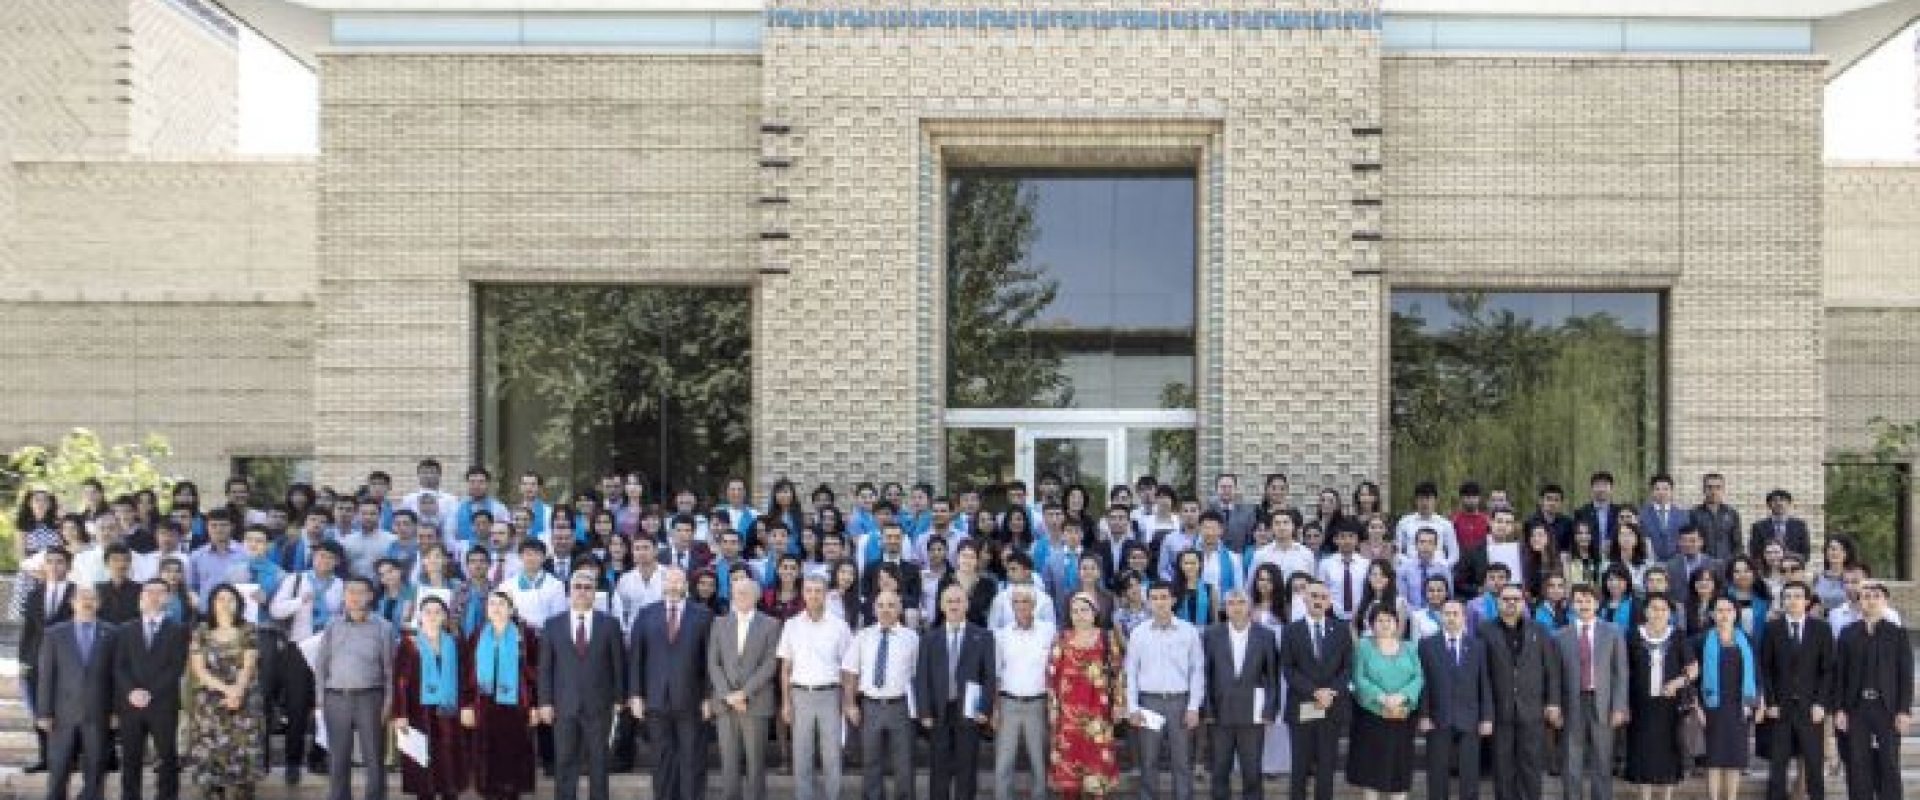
(742,666)
(75,689)
(1316,659)
(876,675)
(149,660)
(668,686)
(1779,526)
(582,672)
(49,604)
(1594,659)
(1458,706)
(1797,671)
(953,657)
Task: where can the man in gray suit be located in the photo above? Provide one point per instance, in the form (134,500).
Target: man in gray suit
(1235,516)
(1593,663)
(741,664)
(1243,695)
(74,692)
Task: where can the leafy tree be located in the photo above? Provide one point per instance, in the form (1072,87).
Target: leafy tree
(1867,493)
(81,456)
(654,379)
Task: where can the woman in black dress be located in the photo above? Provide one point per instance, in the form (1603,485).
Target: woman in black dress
(1729,696)
(1656,677)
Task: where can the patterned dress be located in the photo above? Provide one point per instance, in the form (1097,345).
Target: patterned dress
(224,746)
(1084,687)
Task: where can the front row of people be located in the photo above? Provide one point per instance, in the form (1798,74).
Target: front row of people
(462,709)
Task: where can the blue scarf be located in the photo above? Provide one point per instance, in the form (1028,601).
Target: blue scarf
(1227,569)
(475,608)
(1623,613)
(723,573)
(1710,671)
(1197,607)
(321,615)
(1546,616)
(439,666)
(500,680)
(1490,607)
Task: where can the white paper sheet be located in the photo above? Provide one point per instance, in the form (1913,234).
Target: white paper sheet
(1508,553)
(251,612)
(310,649)
(1259,704)
(1152,720)
(970,701)
(412,743)
(319,726)
(1312,712)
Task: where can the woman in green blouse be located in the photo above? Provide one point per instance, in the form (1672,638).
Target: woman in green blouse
(1386,686)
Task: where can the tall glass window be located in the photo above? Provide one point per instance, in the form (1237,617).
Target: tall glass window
(578,380)
(1070,289)
(1517,389)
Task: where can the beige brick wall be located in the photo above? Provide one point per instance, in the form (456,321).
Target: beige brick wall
(439,171)
(853,399)
(217,379)
(235,230)
(1699,177)
(185,83)
(60,69)
(1873,298)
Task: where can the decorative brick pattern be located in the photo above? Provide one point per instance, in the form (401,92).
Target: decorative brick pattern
(1873,298)
(185,83)
(1699,177)
(441,170)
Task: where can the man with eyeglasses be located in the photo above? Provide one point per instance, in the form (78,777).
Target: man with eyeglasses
(1524,672)
(582,659)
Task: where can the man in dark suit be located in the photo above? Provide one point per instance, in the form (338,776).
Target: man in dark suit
(149,659)
(582,675)
(1718,522)
(1548,511)
(1601,514)
(907,573)
(682,551)
(1691,558)
(667,686)
(941,680)
(1237,518)
(49,604)
(119,595)
(1779,526)
(1524,671)
(1796,676)
(1316,657)
(742,663)
(1457,708)
(74,691)
(1243,695)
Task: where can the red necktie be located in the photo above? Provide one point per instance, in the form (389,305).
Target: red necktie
(580,636)
(673,623)
(1586,657)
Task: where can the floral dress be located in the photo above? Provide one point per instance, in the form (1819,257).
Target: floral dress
(1085,686)
(224,746)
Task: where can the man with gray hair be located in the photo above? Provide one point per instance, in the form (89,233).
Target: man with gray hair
(812,647)
(1020,654)
(878,676)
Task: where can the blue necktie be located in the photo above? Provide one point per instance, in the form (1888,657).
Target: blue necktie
(880,667)
(86,643)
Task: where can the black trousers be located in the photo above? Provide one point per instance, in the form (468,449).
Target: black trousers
(269,643)
(1244,742)
(77,744)
(1447,750)
(297,700)
(954,741)
(162,725)
(1519,751)
(580,741)
(1873,754)
(1794,730)
(680,739)
(1316,746)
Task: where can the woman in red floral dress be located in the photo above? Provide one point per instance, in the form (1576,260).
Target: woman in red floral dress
(1084,699)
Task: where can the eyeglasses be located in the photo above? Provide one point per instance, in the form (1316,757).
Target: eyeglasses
(1509,599)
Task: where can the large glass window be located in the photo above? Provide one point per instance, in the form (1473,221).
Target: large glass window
(1517,389)
(577,380)
(1070,289)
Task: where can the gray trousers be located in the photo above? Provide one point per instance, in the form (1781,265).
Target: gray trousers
(816,733)
(363,714)
(743,743)
(1179,743)
(886,729)
(1022,722)
(1589,748)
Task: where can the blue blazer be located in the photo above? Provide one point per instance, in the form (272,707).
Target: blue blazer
(670,677)
(1461,698)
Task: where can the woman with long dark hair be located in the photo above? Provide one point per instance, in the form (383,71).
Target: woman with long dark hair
(1017,531)
(426,694)
(1381,590)
(783,506)
(1703,587)
(1583,561)
(36,527)
(1628,548)
(1269,595)
(1329,518)
(1830,579)
(1539,557)
(225,719)
(1366,499)
(1193,597)
(843,592)
(1618,604)
(979,586)
(783,599)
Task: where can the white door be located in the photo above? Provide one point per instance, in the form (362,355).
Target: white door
(1092,456)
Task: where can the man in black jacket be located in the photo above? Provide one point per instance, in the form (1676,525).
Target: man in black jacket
(1524,672)
(1874,701)
(72,696)
(1457,708)
(1243,695)
(667,684)
(943,678)
(1796,671)
(1316,656)
(149,660)
(1780,525)
(49,604)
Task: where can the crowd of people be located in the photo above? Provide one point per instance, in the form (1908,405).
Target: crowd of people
(472,642)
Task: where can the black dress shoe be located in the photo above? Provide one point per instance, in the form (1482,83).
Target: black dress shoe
(35,767)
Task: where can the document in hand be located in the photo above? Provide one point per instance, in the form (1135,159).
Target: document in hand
(1153,720)
(412,743)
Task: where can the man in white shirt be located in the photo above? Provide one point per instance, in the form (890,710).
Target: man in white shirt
(1021,651)
(90,565)
(1286,552)
(427,474)
(1839,618)
(1345,574)
(366,543)
(877,672)
(943,526)
(168,538)
(1019,574)
(1426,498)
(813,647)
(537,596)
(642,585)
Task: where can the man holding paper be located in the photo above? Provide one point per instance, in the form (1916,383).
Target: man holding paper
(1166,684)
(954,683)
(1316,656)
(1243,695)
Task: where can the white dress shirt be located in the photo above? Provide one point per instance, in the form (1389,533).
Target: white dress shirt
(1337,574)
(578,621)
(1020,658)
(1237,640)
(862,660)
(815,648)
